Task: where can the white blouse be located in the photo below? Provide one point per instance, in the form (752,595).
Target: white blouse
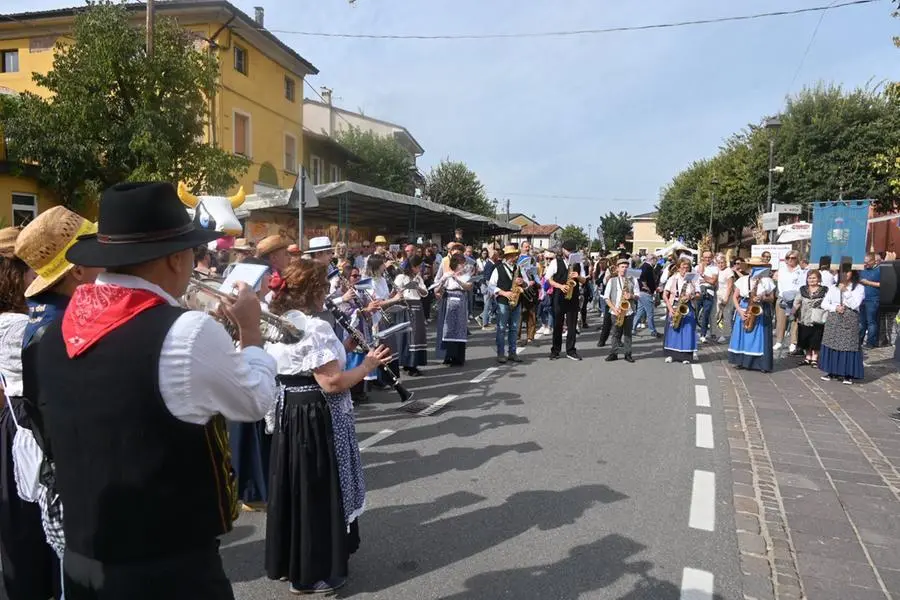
(765,286)
(12,333)
(676,282)
(318,347)
(403,279)
(852,298)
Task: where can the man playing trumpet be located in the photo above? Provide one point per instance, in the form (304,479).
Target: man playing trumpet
(620,298)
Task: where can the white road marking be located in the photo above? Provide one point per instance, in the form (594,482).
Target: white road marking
(487,373)
(378,437)
(705,431)
(696,585)
(438,405)
(703,501)
(702,393)
(697,370)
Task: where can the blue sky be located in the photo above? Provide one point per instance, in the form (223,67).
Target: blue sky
(611,117)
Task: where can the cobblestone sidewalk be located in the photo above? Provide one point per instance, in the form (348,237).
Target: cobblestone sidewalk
(816,470)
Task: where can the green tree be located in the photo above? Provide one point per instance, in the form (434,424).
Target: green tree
(615,228)
(116,114)
(575,234)
(385,163)
(683,211)
(453,184)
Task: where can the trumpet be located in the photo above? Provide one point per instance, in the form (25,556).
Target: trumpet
(287,329)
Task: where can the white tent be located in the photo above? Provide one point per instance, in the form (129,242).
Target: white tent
(675,247)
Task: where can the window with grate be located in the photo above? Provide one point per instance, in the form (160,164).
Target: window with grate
(24,209)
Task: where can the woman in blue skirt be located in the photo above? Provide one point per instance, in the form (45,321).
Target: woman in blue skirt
(841,357)
(753,349)
(681,343)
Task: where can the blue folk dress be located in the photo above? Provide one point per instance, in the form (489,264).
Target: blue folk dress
(752,349)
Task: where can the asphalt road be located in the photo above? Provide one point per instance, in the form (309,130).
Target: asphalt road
(549,479)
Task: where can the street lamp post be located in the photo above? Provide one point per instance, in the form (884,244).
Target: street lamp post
(712,201)
(771,124)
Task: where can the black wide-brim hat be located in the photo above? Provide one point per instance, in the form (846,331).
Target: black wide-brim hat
(140,222)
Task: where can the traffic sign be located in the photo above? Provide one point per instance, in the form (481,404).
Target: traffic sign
(787,209)
(770,221)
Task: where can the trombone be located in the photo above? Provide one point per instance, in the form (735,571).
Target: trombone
(286,329)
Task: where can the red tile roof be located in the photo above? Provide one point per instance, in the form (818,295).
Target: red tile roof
(539,230)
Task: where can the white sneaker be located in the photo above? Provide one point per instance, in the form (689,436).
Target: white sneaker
(792,348)
(777,346)
(668,359)
(702,339)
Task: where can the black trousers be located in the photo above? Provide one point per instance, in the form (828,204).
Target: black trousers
(564,312)
(585,302)
(197,575)
(606,326)
(622,337)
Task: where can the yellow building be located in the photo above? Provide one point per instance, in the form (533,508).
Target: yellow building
(644,235)
(257,112)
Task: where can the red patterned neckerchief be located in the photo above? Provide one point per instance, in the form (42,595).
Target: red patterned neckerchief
(95,310)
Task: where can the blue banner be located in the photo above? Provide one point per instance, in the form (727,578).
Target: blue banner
(839,229)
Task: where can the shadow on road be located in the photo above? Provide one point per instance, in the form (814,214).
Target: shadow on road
(387,469)
(409,541)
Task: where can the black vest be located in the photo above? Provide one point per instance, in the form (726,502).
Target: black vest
(562,276)
(137,484)
(504,281)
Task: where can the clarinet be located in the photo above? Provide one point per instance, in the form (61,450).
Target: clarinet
(344,321)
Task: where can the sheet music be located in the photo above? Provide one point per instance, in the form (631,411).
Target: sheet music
(248,273)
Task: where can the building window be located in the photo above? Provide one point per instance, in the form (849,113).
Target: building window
(335,173)
(289,88)
(242,134)
(24,209)
(9,61)
(315,164)
(240,59)
(290,153)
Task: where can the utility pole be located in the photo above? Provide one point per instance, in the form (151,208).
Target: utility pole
(150,18)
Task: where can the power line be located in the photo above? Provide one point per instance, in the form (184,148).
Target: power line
(809,45)
(576,32)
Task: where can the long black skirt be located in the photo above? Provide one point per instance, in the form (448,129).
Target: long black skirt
(30,567)
(307,540)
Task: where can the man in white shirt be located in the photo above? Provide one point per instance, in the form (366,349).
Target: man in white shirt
(135,394)
(790,278)
(621,288)
(709,280)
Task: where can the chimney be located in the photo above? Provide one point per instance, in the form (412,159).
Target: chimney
(260,15)
(326,95)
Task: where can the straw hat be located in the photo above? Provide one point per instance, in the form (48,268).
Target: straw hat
(43,244)
(241,245)
(319,244)
(507,250)
(270,244)
(8,237)
(380,239)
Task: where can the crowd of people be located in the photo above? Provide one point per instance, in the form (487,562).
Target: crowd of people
(121,401)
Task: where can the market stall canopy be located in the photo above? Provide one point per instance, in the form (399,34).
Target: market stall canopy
(363,206)
(794,232)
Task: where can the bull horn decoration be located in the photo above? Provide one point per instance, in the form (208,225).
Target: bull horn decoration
(238,198)
(186,196)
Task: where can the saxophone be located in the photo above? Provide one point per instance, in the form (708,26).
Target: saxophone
(682,309)
(754,310)
(570,283)
(516,290)
(624,303)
